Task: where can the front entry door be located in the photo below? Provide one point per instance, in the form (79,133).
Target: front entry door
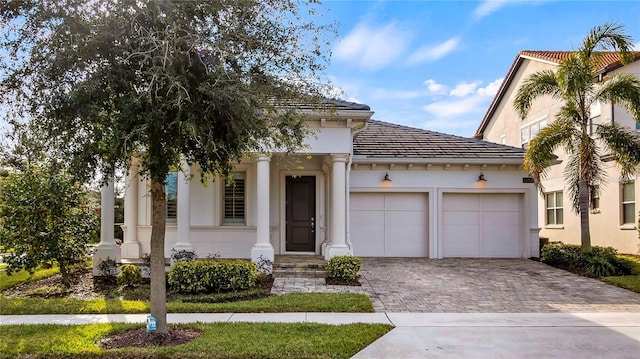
(301,214)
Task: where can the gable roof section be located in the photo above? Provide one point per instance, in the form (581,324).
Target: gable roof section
(609,62)
(387,140)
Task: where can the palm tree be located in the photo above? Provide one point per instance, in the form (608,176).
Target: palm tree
(577,83)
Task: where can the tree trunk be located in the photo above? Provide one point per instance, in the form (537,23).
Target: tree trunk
(158,275)
(64,273)
(585,236)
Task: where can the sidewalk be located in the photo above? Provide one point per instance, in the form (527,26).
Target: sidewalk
(439,335)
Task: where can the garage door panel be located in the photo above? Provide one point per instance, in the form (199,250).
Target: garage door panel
(389,224)
(481,225)
(461,218)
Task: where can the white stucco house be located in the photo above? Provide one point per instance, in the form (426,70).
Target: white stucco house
(361,187)
(614,210)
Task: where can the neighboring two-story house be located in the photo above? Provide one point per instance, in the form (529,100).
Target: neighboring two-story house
(614,212)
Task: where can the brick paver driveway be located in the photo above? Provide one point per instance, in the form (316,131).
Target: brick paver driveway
(486,285)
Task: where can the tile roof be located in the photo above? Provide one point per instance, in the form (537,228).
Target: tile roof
(609,62)
(387,140)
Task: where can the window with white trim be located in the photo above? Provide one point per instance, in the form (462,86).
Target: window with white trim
(628,202)
(234,211)
(595,110)
(171,194)
(528,132)
(555,215)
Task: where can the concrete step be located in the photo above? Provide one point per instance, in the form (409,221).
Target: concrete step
(299,273)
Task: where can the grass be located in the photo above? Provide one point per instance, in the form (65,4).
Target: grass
(218,340)
(8,281)
(630,282)
(291,302)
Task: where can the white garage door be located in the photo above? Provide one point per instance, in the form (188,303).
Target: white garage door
(389,224)
(481,225)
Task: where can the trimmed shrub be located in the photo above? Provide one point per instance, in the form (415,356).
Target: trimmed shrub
(211,276)
(599,262)
(130,275)
(344,268)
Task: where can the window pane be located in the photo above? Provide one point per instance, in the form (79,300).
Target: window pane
(559,216)
(234,199)
(543,124)
(558,199)
(629,213)
(551,200)
(534,130)
(524,135)
(171,191)
(628,192)
(550,217)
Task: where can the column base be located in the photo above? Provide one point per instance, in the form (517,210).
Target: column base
(102,252)
(335,250)
(263,256)
(130,250)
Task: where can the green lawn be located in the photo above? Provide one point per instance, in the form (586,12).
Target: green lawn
(291,302)
(631,282)
(8,281)
(218,340)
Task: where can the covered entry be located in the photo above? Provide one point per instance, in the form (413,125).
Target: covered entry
(482,225)
(389,224)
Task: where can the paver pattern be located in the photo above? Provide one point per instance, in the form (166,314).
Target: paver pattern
(457,285)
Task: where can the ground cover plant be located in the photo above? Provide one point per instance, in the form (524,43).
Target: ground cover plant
(216,340)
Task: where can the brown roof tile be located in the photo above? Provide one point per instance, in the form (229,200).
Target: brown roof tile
(387,140)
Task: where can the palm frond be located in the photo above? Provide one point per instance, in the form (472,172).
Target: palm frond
(539,156)
(536,85)
(624,144)
(583,163)
(609,36)
(623,90)
(575,76)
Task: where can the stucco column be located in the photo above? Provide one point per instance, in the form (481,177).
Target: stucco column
(338,245)
(130,247)
(183,242)
(263,246)
(107,247)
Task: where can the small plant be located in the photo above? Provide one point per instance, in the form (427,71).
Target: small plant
(183,255)
(107,268)
(130,275)
(344,268)
(264,265)
(599,262)
(211,276)
(48,291)
(146,265)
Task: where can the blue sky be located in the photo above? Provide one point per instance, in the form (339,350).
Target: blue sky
(438,64)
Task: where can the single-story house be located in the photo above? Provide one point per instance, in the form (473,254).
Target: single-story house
(361,187)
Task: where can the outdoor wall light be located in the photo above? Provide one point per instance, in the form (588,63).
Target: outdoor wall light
(481,178)
(386,178)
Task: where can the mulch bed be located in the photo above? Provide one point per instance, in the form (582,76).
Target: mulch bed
(83,286)
(139,338)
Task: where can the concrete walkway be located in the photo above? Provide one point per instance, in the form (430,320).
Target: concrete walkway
(440,335)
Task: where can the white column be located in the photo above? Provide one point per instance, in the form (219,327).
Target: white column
(107,247)
(183,242)
(338,246)
(263,246)
(130,247)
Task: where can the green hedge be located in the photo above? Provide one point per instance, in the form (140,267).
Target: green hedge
(212,276)
(343,268)
(599,262)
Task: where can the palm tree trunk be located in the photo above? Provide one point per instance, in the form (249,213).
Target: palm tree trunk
(158,276)
(585,236)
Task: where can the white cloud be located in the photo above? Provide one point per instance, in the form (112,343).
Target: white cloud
(434,52)
(434,87)
(488,7)
(372,48)
(491,89)
(464,89)
(455,107)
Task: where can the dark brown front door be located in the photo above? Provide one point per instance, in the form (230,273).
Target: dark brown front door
(301,214)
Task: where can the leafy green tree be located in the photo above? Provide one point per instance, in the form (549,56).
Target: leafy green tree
(44,217)
(166,81)
(577,83)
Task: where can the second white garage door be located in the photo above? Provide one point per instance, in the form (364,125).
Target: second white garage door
(389,224)
(481,225)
